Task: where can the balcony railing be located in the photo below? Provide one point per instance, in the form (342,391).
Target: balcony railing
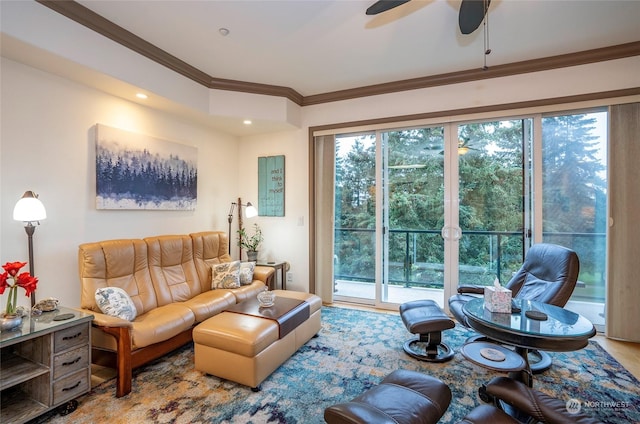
(416,257)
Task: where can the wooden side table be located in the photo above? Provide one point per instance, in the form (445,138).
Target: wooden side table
(45,363)
(278,283)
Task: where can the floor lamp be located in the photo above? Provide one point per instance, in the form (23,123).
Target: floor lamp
(250,212)
(30,210)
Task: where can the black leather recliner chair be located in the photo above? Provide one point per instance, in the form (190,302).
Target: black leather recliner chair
(410,397)
(525,403)
(549,274)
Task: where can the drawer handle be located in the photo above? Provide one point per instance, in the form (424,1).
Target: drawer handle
(72,337)
(72,362)
(75,386)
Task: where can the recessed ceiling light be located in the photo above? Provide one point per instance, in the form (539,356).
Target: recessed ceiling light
(223,31)
(141,96)
(247,122)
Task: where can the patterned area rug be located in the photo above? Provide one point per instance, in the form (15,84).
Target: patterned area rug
(355,350)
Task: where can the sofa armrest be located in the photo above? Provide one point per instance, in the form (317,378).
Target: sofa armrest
(103,320)
(120,329)
(263,273)
(473,289)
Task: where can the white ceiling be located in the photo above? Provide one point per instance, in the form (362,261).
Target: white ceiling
(323,46)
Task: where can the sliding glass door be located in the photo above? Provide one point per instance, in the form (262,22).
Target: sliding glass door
(355,218)
(574,200)
(494,199)
(398,245)
(413,251)
(419,211)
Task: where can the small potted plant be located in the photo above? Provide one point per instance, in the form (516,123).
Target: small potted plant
(250,243)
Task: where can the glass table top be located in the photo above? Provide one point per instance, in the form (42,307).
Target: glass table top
(32,326)
(559,322)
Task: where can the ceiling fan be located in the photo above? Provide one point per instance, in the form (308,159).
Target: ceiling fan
(472,12)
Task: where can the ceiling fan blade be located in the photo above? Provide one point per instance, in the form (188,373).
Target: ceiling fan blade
(384,5)
(472,14)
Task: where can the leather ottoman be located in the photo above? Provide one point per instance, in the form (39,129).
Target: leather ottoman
(402,397)
(246,348)
(425,318)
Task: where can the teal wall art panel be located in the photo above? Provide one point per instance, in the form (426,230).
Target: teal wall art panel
(271,186)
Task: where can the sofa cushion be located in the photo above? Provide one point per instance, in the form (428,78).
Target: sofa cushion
(116,302)
(116,263)
(209,248)
(172,268)
(210,303)
(246,272)
(161,324)
(226,275)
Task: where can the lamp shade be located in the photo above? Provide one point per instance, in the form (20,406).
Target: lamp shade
(29,208)
(251,211)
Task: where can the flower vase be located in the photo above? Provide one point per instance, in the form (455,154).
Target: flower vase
(10,322)
(252,255)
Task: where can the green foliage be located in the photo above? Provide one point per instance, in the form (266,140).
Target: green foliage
(250,242)
(491,200)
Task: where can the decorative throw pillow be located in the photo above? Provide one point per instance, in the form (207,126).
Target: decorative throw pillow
(115,302)
(225,275)
(246,273)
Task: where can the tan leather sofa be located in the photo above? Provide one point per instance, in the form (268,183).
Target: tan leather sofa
(168,278)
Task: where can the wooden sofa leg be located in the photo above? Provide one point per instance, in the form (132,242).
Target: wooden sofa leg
(123,339)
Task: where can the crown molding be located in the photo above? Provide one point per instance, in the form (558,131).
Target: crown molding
(534,65)
(97,23)
(84,16)
(90,19)
(499,107)
(256,88)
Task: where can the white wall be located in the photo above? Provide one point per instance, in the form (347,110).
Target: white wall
(286,238)
(47,145)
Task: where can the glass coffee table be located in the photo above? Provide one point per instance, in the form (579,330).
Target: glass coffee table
(537,326)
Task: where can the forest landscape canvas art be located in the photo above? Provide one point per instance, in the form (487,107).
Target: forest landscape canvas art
(136,171)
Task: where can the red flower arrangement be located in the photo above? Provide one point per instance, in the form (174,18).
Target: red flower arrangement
(24,280)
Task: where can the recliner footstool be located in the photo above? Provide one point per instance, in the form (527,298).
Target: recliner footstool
(428,320)
(402,397)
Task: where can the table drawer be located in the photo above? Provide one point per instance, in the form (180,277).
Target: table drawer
(70,387)
(65,339)
(71,361)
